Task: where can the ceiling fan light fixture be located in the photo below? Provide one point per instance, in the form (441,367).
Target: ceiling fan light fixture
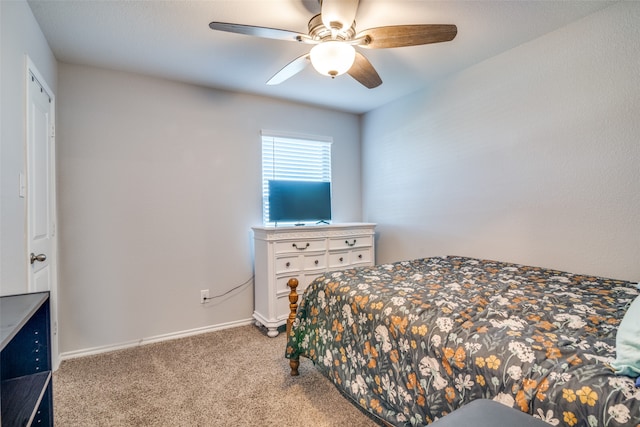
(332,58)
(332,32)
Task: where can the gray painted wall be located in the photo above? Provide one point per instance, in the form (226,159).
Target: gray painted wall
(532,156)
(158,185)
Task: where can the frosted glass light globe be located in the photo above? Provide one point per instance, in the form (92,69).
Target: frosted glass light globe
(332,58)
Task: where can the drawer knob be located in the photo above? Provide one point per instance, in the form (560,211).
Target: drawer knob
(360,256)
(316,262)
(350,244)
(288,264)
(300,249)
(341,259)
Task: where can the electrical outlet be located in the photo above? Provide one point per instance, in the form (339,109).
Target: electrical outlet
(204,294)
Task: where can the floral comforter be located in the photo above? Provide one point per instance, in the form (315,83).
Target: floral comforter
(412,341)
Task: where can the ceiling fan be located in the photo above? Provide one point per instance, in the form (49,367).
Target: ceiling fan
(333,35)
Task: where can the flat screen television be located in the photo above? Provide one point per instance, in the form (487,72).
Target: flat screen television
(299,201)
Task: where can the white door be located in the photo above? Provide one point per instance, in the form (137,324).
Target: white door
(41,195)
(40,181)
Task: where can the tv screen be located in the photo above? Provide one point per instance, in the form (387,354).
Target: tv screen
(299,201)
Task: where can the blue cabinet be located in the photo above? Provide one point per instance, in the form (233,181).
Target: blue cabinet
(25,360)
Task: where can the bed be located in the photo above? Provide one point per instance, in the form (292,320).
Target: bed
(412,341)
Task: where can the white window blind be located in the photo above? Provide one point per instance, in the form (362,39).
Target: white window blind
(295,159)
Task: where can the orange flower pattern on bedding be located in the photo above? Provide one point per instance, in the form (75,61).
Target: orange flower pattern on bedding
(412,341)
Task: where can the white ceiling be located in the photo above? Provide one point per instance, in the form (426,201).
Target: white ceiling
(172,39)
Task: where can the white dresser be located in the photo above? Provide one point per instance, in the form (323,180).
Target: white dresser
(282,253)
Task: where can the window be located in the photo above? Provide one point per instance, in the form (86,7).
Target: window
(293,158)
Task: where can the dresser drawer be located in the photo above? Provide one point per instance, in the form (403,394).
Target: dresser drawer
(317,261)
(350,242)
(298,246)
(297,263)
(339,259)
(355,257)
(287,264)
(282,290)
(361,256)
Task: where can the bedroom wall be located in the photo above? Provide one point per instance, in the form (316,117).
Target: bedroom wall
(159,183)
(20,35)
(531,156)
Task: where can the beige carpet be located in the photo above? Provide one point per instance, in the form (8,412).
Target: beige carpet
(234,377)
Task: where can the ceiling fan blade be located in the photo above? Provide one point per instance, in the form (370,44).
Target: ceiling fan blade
(251,30)
(338,14)
(290,70)
(363,72)
(406,35)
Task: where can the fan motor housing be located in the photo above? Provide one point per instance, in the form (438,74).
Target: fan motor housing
(318,31)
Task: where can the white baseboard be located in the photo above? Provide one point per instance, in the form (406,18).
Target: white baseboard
(149,340)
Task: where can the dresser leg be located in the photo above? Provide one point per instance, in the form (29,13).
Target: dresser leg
(272,332)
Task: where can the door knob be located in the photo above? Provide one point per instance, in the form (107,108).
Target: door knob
(39,257)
